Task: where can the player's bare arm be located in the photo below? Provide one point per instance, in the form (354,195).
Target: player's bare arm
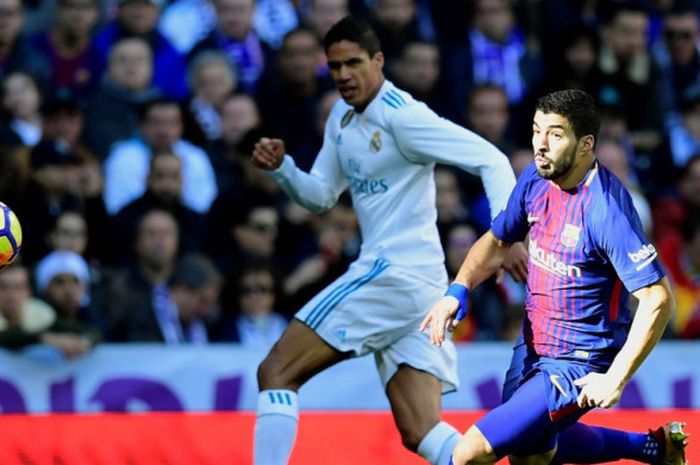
(268,154)
(483,260)
(656,305)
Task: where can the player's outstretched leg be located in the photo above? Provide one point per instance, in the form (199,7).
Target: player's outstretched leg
(298,355)
(581,443)
(415,399)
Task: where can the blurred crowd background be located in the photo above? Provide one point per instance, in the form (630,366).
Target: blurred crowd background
(127,126)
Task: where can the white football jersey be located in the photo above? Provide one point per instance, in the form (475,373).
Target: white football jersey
(386,156)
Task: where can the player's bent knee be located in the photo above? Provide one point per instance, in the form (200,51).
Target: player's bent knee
(473,449)
(271,374)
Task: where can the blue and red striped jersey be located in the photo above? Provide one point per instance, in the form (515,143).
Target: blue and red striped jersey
(587,252)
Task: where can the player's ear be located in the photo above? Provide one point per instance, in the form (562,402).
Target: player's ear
(587,143)
(378,59)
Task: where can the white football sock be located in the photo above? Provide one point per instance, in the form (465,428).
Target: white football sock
(275,426)
(437,446)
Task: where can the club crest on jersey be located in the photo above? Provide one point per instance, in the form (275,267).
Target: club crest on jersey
(375,144)
(346,118)
(570,235)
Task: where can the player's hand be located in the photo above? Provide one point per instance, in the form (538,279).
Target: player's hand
(440,318)
(598,390)
(515,262)
(268,153)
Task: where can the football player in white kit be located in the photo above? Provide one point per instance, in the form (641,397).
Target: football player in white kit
(382,145)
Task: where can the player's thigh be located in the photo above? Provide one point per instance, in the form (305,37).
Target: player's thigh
(298,355)
(521,426)
(414,396)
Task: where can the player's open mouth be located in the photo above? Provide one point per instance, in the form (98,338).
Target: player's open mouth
(347,92)
(541,161)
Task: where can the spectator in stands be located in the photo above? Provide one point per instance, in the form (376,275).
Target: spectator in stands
(213,80)
(396,23)
(76,64)
(322,14)
(235,36)
(672,210)
(163,191)
(488,114)
(628,71)
(124,88)
(290,92)
(336,238)
(250,317)
(245,234)
(451,209)
(139,18)
(493,51)
(612,154)
(54,187)
(26,321)
(21,100)
(179,310)
(16,53)
(63,281)
(126,168)
(239,116)
(678,57)
(273,19)
(417,70)
(126,295)
(681,257)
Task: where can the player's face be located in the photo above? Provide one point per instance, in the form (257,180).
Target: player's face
(357,75)
(554,143)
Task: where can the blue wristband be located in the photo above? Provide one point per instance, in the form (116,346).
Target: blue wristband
(459,292)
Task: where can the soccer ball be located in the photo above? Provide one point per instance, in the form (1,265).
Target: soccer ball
(10,236)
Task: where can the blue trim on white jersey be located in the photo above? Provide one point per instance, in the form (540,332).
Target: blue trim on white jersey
(330,301)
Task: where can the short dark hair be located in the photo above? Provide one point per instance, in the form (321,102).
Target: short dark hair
(194,271)
(576,106)
(353,29)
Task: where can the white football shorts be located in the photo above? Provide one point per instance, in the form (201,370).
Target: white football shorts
(377,308)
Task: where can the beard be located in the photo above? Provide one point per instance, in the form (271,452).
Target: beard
(554,170)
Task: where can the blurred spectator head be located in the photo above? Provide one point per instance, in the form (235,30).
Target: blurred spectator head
(235,17)
(519,159)
(77,18)
(691,234)
(56,168)
(195,286)
(613,156)
(690,115)
(325,13)
(255,229)
(256,288)
(626,31)
(689,184)
(448,196)
(680,35)
(15,291)
(211,77)
(325,105)
(63,280)
(338,229)
(138,17)
(487,112)
(613,124)
(157,240)
(417,68)
(131,64)
(161,124)
(69,233)
(21,97)
(165,177)
(494,18)
(239,115)
(460,238)
(299,57)
(11,19)
(580,51)
(394,15)
(63,120)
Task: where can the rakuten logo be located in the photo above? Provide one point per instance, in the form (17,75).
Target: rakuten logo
(646,255)
(551,263)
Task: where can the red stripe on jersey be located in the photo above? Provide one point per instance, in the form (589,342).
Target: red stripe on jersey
(615,301)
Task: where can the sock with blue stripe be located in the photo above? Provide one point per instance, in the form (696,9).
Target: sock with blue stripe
(581,443)
(275,426)
(436,447)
